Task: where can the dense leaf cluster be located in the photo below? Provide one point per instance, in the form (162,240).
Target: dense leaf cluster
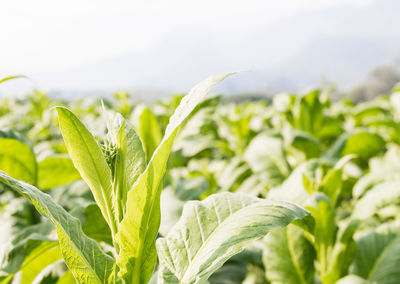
(195,190)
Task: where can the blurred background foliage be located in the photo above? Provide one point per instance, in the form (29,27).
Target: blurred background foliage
(338,158)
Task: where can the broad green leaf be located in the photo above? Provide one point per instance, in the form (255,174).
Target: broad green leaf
(93,223)
(369,111)
(46,256)
(361,143)
(385,168)
(211,231)
(73,195)
(135,157)
(194,136)
(55,171)
(171,209)
(386,267)
(289,256)
(377,251)
(51,273)
(90,162)
(368,182)
(294,188)
(139,228)
(233,175)
(234,127)
(332,127)
(364,145)
(303,142)
(18,160)
(194,144)
(95,226)
(307,113)
(191,188)
(83,256)
(265,155)
(148,128)
(230,273)
(26,250)
(380,196)
(253,185)
(240,267)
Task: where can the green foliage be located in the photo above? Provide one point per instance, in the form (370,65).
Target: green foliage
(211,231)
(207,186)
(127,191)
(31,250)
(84,257)
(148,128)
(363,144)
(18,160)
(289,256)
(55,171)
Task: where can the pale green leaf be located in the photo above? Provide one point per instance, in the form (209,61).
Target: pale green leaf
(289,256)
(135,157)
(302,142)
(86,260)
(380,196)
(89,161)
(332,184)
(212,231)
(139,228)
(18,160)
(324,232)
(265,155)
(94,225)
(361,143)
(378,253)
(342,254)
(56,170)
(294,189)
(148,128)
(241,267)
(46,256)
(27,248)
(386,267)
(308,112)
(130,162)
(233,174)
(171,209)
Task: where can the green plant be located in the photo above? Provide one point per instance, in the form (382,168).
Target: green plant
(117,243)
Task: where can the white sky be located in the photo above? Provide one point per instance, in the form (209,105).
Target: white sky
(50,35)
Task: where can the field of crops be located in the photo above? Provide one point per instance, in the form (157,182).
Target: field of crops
(199,189)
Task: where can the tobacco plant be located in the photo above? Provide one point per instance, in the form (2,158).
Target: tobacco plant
(124,175)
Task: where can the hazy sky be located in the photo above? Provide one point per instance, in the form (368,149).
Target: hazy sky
(49,35)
